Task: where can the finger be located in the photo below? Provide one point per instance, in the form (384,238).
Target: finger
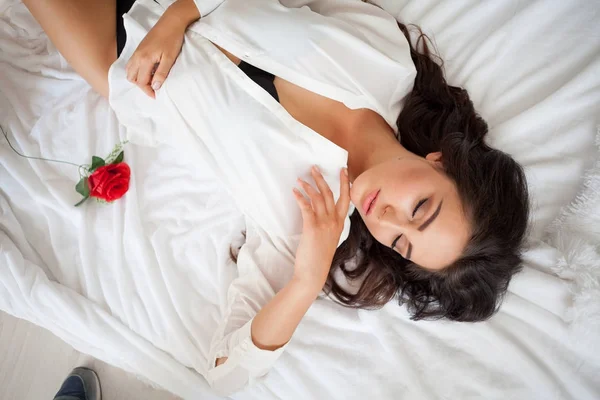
(304,204)
(148,90)
(344,201)
(317,202)
(131,73)
(161,73)
(129,65)
(324,189)
(144,76)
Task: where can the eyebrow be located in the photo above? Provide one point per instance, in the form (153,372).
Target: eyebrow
(432,218)
(423,226)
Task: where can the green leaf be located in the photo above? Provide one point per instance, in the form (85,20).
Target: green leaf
(119,158)
(96,162)
(82,200)
(83,188)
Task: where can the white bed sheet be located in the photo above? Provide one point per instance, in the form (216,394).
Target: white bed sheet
(140,283)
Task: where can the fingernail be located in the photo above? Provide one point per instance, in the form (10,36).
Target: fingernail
(316,169)
(156,85)
(346,171)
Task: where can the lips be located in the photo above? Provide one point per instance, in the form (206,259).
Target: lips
(370,201)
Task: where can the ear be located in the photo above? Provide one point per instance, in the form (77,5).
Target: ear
(435,158)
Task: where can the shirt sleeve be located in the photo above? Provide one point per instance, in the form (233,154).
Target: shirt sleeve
(264,266)
(205,7)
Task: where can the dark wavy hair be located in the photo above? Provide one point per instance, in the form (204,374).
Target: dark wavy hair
(493,189)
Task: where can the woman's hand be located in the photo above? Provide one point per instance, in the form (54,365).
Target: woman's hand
(323,222)
(151,62)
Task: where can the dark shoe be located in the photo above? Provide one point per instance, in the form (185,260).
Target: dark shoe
(81,384)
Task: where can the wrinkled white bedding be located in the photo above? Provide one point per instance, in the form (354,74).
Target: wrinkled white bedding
(140,283)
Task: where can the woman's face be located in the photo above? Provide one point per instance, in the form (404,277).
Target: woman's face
(410,205)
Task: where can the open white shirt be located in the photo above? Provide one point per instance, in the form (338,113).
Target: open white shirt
(345,50)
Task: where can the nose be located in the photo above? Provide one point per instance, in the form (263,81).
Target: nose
(389,217)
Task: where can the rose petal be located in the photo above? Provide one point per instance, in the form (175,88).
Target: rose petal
(110,182)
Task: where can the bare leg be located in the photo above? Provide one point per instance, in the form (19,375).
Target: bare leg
(84,31)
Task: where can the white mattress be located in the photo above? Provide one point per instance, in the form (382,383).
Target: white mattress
(140,283)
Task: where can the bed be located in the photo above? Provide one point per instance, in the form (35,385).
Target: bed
(141,283)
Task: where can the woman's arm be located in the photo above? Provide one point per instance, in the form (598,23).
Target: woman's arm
(151,62)
(275,324)
(184,10)
(323,222)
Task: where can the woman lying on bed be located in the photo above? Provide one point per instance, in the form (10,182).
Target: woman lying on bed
(261,91)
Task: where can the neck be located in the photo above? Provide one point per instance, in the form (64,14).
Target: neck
(370,141)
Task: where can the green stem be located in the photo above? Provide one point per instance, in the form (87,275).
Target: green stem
(37,158)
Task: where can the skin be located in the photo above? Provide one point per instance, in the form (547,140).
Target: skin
(84,32)
(418,206)
(417,209)
(377,161)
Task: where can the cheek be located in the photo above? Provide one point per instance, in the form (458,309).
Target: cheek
(383,235)
(421,180)
(407,185)
(380,236)
(358,187)
(353,193)
(399,179)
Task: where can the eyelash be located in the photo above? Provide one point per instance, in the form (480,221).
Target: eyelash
(419,204)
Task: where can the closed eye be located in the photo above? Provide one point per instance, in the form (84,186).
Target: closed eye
(419,204)
(408,252)
(395,241)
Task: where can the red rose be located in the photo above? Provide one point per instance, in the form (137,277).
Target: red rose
(110,182)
